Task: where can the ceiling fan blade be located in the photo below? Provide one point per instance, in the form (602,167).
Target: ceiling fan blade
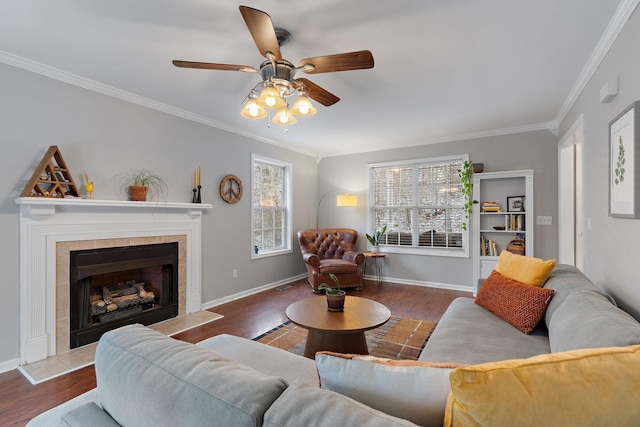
(359,60)
(317,93)
(261,29)
(213,66)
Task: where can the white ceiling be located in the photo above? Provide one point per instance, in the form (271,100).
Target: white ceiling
(444,69)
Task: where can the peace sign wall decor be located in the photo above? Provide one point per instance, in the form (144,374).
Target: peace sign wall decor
(231,189)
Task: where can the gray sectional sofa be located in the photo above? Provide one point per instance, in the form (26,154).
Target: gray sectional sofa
(579,315)
(145,378)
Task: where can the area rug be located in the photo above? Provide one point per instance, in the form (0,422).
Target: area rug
(77,358)
(399,338)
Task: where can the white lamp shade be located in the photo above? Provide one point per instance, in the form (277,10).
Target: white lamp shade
(347,200)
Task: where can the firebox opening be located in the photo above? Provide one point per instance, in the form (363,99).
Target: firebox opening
(113,287)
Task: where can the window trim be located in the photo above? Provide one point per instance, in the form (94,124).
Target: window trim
(287,197)
(463,252)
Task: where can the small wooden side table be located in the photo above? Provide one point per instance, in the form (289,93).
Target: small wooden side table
(378,259)
(342,332)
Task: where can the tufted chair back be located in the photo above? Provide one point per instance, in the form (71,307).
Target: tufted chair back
(328,243)
(331,250)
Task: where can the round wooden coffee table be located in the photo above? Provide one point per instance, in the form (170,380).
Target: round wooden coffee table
(343,331)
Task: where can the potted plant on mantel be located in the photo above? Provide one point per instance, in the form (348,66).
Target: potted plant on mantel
(374,239)
(143,182)
(335,295)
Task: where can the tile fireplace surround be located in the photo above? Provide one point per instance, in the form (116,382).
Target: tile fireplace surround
(51,228)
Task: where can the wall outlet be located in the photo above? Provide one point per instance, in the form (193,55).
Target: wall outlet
(544,220)
(235,273)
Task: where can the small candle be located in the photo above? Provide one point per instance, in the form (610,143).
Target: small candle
(194,178)
(199,176)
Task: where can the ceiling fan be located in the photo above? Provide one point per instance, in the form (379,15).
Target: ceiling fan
(278,75)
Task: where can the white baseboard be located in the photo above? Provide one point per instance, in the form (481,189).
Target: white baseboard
(211,304)
(9,365)
(448,286)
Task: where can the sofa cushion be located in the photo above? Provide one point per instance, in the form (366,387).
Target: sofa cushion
(514,302)
(303,405)
(416,391)
(148,379)
(525,269)
(587,319)
(564,280)
(467,333)
(88,414)
(588,387)
(264,358)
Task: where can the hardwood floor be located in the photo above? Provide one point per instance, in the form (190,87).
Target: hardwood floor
(248,317)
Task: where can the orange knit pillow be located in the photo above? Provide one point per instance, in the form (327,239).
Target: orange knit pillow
(515,302)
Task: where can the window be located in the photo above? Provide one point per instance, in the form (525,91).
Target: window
(421,204)
(271,212)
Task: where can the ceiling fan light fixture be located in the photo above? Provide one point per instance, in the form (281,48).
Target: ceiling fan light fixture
(284,117)
(303,107)
(270,98)
(252,110)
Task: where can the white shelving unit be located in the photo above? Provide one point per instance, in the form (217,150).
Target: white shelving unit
(496,187)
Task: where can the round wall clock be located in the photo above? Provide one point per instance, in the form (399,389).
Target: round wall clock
(231,189)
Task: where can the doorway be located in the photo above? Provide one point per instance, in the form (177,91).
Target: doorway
(570,191)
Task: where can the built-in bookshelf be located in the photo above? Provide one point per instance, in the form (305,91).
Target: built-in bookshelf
(504,214)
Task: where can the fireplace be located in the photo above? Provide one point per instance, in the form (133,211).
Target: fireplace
(51,228)
(117,286)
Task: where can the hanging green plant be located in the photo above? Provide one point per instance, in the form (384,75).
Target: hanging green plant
(466,178)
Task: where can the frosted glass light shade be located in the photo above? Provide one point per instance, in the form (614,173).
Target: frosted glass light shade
(284,117)
(347,200)
(303,107)
(270,98)
(252,110)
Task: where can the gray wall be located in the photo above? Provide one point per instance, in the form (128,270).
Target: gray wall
(611,245)
(531,150)
(104,136)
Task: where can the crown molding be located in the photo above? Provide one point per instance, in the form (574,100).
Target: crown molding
(92,85)
(624,11)
(548,126)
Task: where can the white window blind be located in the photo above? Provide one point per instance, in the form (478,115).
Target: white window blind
(421,204)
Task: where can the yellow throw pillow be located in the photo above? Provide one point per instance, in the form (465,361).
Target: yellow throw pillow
(525,269)
(588,387)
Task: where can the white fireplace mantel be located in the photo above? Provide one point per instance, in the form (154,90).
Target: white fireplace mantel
(45,222)
(44,207)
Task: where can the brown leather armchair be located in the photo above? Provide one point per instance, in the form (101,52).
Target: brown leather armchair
(331,250)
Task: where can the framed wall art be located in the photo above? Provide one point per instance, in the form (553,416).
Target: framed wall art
(515,204)
(624,160)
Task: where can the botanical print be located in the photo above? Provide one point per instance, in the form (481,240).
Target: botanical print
(622,146)
(620,163)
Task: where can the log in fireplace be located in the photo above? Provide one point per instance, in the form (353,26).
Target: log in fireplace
(117,286)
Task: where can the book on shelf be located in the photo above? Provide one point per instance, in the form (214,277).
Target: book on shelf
(491,207)
(488,247)
(514,222)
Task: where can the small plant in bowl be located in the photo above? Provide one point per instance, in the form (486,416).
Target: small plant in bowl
(335,295)
(143,182)
(375,238)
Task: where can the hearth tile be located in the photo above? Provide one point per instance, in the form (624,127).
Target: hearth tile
(63,341)
(80,356)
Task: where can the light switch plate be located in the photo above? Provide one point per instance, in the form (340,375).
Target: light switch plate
(544,220)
